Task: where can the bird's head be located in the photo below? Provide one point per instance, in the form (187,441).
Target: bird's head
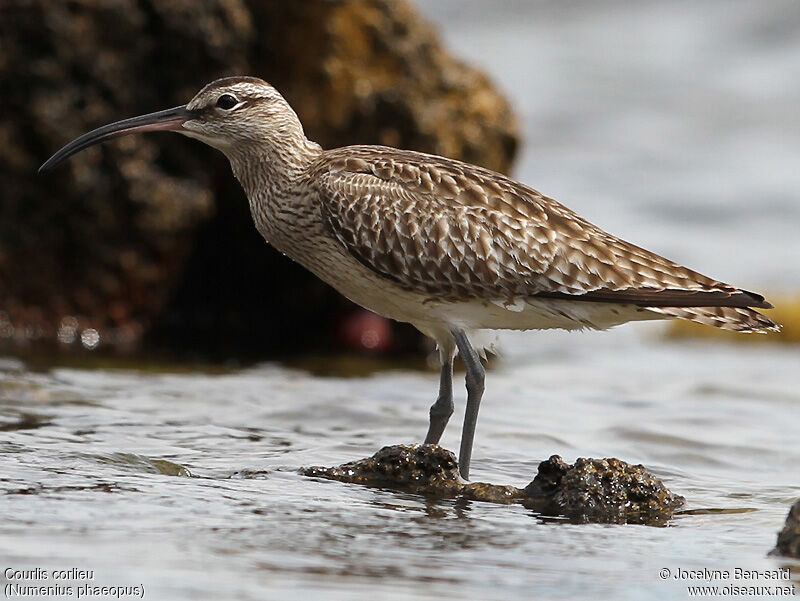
(228,114)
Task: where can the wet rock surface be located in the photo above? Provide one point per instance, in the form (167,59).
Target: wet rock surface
(591,490)
(789,538)
(150,237)
(600,490)
(421,468)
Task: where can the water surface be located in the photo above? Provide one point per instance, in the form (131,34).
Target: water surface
(186,482)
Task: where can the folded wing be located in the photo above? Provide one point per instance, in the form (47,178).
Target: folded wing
(456,232)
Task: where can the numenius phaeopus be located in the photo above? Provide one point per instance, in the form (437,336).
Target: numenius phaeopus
(451,248)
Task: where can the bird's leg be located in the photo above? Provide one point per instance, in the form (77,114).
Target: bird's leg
(475,378)
(442,409)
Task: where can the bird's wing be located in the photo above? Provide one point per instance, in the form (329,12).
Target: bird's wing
(455,231)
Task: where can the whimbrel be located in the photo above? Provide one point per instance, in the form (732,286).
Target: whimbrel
(449,247)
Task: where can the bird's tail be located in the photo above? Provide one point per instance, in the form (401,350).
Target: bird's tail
(738,319)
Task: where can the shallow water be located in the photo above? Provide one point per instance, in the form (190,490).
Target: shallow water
(186,482)
(673,124)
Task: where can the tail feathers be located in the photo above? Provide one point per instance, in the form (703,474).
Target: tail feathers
(738,319)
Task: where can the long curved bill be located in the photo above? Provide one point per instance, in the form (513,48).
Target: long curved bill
(168,120)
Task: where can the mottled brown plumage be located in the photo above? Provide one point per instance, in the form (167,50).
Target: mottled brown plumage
(452,248)
(456,232)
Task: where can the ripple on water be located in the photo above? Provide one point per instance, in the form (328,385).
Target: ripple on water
(146,465)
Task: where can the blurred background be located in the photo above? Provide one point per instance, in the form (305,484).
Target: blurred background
(671,123)
(678,136)
(148,243)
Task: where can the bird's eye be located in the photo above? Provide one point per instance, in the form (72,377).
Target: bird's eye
(227,101)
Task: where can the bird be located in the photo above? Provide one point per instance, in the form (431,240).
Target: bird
(454,249)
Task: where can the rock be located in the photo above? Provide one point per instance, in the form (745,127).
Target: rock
(591,490)
(420,468)
(492,493)
(600,490)
(425,469)
(789,538)
(149,237)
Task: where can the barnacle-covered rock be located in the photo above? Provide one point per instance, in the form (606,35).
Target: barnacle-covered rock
(591,490)
(600,490)
(423,468)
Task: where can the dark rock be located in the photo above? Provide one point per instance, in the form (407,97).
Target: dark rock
(591,490)
(428,468)
(789,538)
(492,493)
(150,236)
(600,490)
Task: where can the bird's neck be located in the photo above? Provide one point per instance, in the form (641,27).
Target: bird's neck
(270,169)
(273,178)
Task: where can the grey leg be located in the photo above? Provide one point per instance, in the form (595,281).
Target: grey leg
(475,378)
(442,409)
